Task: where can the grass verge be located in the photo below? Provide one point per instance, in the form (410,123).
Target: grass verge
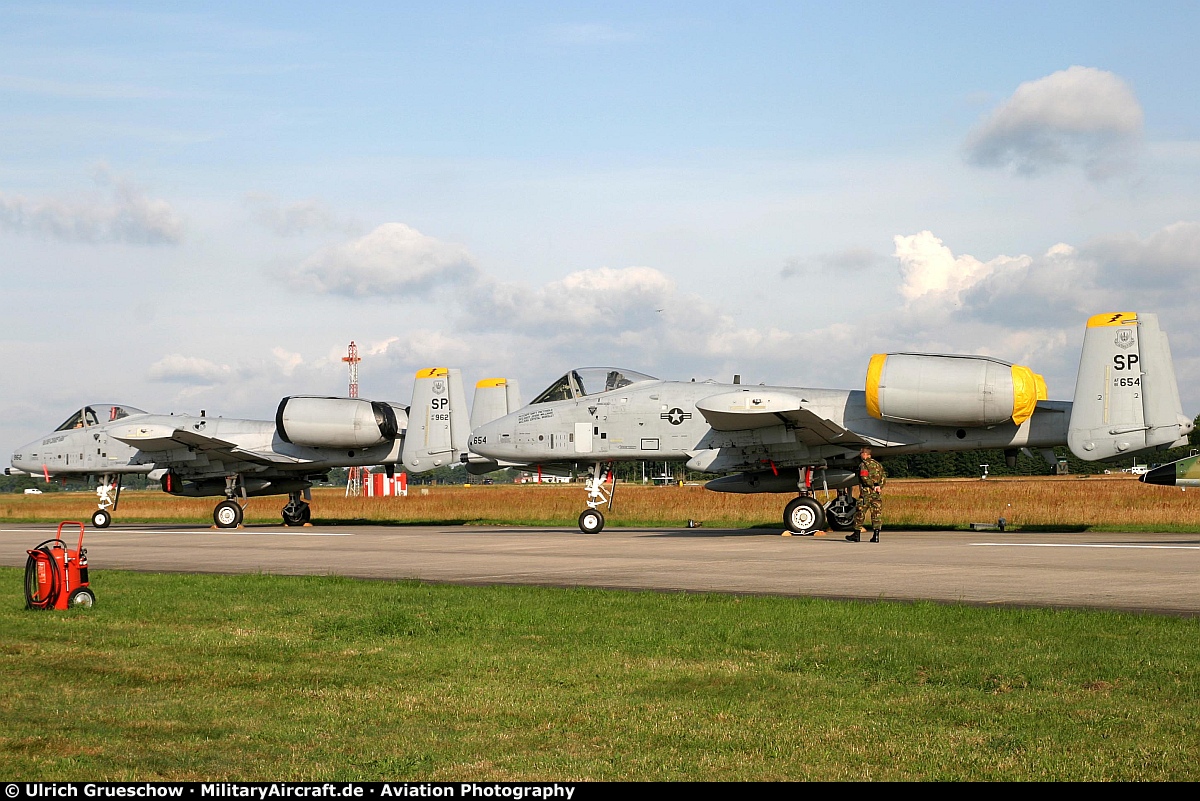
(252,677)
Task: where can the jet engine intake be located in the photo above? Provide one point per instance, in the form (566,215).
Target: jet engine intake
(335,422)
(943,390)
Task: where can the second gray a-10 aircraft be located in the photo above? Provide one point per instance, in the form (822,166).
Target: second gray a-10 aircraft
(799,440)
(237,459)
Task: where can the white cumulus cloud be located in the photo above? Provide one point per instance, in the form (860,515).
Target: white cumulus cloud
(180,369)
(1080,115)
(394,259)
(121,214)
(605,298)
(292,219)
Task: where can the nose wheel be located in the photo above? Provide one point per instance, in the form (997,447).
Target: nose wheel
(591,521)
(101,518)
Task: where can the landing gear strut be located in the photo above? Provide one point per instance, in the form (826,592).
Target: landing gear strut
(229,512)
(107,499)
(297,512)
(592,519)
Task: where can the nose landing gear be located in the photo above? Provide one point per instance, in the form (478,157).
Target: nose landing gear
(592,519)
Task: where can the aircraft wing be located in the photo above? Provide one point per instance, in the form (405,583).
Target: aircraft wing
(750,409)
(151,439)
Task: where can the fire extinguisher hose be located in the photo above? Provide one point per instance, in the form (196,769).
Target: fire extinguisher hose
(31,579)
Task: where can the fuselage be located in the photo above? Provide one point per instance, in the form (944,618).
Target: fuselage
(98,449)
(658,420)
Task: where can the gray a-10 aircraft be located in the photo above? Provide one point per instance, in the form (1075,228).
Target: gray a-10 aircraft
(800,440)
(216,456)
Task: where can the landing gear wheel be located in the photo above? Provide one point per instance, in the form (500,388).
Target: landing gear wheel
(227,515)
(101,518)
(591,521)
(82,598)
(296,516)
(840,512)
(803,515)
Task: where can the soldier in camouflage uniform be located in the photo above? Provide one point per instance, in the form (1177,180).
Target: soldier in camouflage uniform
(871,477)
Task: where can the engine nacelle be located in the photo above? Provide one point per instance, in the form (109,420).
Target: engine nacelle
(941,390)
(335,422)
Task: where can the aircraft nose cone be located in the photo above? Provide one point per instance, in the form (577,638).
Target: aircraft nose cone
(1164,475)
(489,440)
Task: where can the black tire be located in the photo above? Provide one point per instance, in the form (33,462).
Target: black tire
(81,598)
(301,516)
(840,512)
(591,521)
(803,515)
(101,518)
(227,515)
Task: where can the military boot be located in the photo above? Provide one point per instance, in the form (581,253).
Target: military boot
(875,537)
(852,537)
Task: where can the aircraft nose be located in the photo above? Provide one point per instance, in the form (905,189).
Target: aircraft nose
(492,440)
(20,460)
(1164,475)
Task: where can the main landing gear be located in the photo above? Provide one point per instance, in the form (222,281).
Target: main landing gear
(297,512)
(806,515)
(109,493)
(229,512)
(591,521)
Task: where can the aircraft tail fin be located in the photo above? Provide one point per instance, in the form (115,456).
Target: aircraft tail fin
(438,424)
(494,398)
(1126,397)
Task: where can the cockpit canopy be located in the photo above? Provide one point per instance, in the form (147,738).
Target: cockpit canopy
(97,414)
(590,381)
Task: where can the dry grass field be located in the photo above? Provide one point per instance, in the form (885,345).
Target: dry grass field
(1069,503)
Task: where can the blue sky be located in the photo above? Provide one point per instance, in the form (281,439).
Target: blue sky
(202,204)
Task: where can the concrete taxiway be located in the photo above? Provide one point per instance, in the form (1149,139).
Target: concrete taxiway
(1136,572)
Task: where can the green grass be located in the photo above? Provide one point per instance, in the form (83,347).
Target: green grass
(192,677)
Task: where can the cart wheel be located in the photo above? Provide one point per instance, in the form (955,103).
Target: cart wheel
(82,598)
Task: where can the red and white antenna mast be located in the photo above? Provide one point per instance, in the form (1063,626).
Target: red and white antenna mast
(352,358)
(354,477)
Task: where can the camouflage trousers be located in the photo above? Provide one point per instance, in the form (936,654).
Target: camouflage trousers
(869,502)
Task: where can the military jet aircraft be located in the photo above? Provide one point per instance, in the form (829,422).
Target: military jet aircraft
(1182,473)
(238,459)
(800,440)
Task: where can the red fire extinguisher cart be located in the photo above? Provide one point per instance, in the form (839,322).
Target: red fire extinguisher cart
(57,578)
